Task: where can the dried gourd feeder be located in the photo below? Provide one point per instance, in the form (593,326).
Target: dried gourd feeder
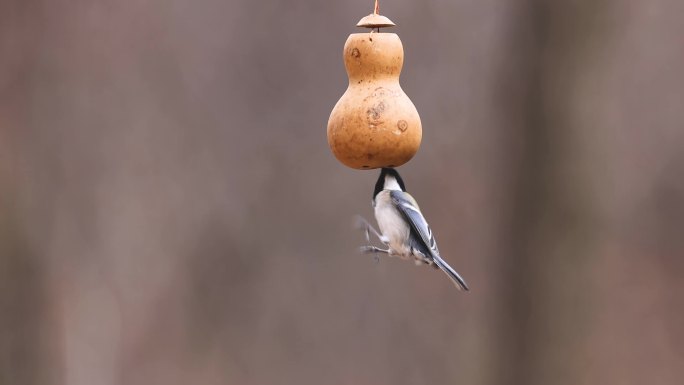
(374,124)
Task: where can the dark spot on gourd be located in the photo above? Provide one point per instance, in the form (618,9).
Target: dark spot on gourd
(356,53)
(376,111)
(402,125)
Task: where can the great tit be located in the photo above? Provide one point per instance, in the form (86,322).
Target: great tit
(403,229)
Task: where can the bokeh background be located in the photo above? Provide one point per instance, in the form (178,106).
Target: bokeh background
(170,212)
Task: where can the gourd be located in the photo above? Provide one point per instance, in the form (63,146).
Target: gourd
(374,124)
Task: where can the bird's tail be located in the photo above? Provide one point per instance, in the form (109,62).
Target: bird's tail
(458,281)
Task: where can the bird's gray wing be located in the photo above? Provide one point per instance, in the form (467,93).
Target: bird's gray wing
(406,205)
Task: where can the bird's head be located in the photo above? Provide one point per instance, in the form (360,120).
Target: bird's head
(389,179)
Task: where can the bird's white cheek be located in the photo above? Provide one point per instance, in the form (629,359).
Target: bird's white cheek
(392,184)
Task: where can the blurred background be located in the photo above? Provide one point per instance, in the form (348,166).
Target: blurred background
(170,212)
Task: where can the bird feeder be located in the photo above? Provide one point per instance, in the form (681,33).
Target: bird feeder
(374,124)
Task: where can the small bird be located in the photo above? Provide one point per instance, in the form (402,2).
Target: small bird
(403,229)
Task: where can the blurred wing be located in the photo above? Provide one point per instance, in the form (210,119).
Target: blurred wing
(409,208)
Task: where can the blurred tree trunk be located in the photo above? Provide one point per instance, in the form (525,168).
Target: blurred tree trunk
(554,223)
(28,348)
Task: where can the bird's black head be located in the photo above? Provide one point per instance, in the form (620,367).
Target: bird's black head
(389,179)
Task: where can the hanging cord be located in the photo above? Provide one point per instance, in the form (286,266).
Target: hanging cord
(376,11)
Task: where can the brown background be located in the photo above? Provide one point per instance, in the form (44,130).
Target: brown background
(170,212)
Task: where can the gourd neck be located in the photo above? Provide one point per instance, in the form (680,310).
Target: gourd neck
(369,56)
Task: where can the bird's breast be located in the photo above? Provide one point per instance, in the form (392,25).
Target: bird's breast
(392,224)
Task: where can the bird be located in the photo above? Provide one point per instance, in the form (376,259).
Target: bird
(403,229)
